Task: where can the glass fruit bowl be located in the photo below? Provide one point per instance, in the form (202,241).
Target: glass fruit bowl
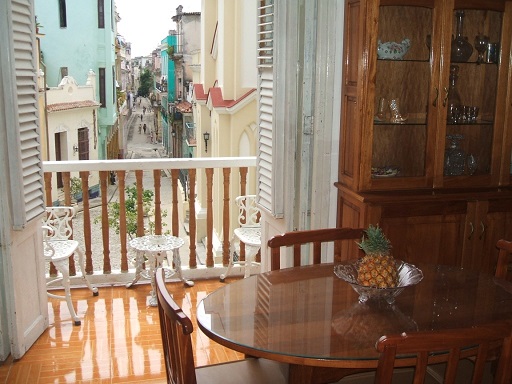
(408,275)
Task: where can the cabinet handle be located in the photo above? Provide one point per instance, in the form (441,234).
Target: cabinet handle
(472,230)
(445,96)
(482,225)
(434,103)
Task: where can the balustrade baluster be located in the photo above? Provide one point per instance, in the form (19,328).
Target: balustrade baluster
(140,206)
(104,179)
(192,262)
(175,173)
(243,192)
(226,219)
(121,183)
(157,174)
(209,217)
(84,178)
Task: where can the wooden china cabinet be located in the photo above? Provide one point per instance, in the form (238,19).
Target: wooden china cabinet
(426,135)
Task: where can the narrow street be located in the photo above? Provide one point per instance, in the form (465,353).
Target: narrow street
(142,144)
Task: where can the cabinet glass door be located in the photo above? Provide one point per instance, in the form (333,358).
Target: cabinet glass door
(471,97)
(403,79)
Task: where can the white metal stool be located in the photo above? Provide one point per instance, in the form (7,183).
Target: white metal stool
(248,233)
(59,248)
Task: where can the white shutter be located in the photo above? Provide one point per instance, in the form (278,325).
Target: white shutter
(24,146)
(265,139)
(269,181)
(265,33)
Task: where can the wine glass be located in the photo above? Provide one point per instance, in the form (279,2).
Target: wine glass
(471,163)
(481,42)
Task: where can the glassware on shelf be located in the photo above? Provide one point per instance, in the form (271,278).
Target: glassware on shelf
(454,102)
(461,47)
(493,53)
(381,113)
(481,42)
(472,164)
(454,157)
(396,115)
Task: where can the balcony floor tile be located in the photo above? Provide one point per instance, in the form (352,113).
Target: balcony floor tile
(117,342)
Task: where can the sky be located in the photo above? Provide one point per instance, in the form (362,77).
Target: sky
(146,23)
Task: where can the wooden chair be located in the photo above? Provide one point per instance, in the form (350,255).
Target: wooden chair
(248,233)
(504,258)
(479,342)
(59,247)
(176,329)
(316,237)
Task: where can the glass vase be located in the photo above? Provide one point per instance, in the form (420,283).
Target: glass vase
(454,157)
(461,47)
(454,102)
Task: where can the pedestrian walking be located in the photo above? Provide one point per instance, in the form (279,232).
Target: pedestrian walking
(140,128)
(140,117)
(144,128)
(143,110)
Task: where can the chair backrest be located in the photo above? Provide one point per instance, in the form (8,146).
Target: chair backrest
(176,329)
(504,258)
(448,346)
(248,211)
(60,220)
(315,237)
(48,250)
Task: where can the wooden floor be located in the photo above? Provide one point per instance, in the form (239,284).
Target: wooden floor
(117,342)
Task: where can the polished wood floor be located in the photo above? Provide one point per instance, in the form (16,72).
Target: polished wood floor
(117,342)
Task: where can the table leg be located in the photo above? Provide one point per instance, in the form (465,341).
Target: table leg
(154,262)
(300,374)
(139,261)
(177,265)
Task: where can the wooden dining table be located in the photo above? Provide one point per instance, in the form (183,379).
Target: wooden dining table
(308,317)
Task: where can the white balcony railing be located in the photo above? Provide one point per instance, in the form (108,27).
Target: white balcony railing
(175,209)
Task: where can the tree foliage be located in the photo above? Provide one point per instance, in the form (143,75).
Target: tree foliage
(131,212)
(146,83)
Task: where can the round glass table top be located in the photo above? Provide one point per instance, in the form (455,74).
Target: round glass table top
(310,313)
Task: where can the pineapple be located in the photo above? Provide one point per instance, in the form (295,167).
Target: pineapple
(377,268)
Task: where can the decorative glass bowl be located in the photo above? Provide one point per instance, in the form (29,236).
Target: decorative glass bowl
(408,275)
(392,50)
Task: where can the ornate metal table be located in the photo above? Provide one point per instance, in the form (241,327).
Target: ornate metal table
(151,251)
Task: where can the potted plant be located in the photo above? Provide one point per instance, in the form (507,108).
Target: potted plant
(76,189)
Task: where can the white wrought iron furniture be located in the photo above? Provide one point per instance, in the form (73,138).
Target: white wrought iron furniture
(59,247)
(249,233)
(151,251)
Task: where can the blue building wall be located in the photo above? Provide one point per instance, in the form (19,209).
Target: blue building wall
(172,41)
(81,46)
(168,70)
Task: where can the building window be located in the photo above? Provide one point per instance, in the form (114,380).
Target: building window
(62,14)
(101,13)
(83,143)
(63,72)
(103,95)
